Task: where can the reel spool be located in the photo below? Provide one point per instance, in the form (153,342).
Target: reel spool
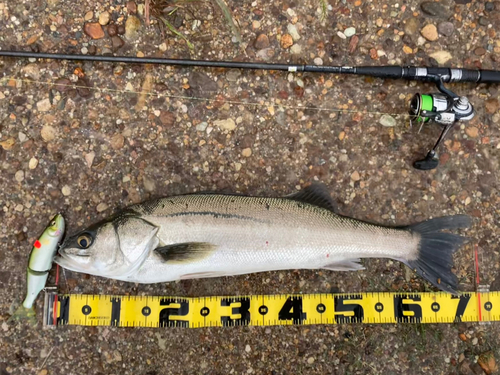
(445,108)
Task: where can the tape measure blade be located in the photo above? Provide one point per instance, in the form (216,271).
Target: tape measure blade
(268,310)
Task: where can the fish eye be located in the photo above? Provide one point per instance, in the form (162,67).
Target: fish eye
(84,241)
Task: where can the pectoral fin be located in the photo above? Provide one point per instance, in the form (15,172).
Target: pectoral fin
(345,265)
(185,252)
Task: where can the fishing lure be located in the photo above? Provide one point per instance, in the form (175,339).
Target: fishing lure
(39,264)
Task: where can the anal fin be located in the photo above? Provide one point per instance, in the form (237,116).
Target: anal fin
(345,265)
(203,275)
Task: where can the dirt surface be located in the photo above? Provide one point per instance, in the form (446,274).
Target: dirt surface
(91,150)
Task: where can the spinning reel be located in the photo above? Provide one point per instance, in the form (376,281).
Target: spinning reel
(445,108)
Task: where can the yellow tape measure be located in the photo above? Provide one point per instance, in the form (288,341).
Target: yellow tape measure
(268,310)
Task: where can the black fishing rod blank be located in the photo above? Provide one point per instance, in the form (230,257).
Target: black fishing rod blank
(387,72)
(445,108)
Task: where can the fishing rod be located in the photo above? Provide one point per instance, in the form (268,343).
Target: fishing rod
(444,107)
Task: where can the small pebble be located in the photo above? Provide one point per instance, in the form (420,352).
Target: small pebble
(131,7)
(112,30)
(474,341)
(387,120)
(102,207)
(430,32)
(43,105)
(247,152)
(149,184)
(472,131)
(261,42)
(84,50)
(296,49)
(483,21)
(117,42)
(43,372)
(132,27)
(248,349)
(88,16)
(117,141)
(442,57)
(66,190)
(163,47)
(104,18)
(286,41)
(350,31)
(292,30)
(446,28)
(94,30)
(19,176)
(489,6)
(227,124)
(355,176)
(318,61)
(435,9)
(411,26)
(22,137)
(89,158)
(341,35)
(310,360)
(480,51)
(48,133)
(201,127)
(33,163)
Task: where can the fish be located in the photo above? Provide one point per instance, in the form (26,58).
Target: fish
(39,264)
(212,235)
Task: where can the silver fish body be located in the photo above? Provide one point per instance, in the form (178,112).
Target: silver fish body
(209,235)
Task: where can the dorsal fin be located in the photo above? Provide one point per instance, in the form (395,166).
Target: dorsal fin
(316,194)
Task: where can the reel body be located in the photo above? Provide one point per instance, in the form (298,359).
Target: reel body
(445,108)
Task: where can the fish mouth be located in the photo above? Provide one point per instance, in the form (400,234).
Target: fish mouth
(66,262)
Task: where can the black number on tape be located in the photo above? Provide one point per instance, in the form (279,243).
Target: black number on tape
(488,306)
(321,308)
(292,310)
(462,305)
(402,310)
(240,314)
(379,307)
(116,304)
(170,315)
(64,302)
(347,304)
(435,306)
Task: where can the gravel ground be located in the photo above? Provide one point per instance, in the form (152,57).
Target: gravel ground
(89,151)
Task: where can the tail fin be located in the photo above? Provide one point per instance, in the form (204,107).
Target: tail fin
(435,258)
(24,314)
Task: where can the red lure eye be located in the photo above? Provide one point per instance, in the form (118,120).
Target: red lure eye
(37,244)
